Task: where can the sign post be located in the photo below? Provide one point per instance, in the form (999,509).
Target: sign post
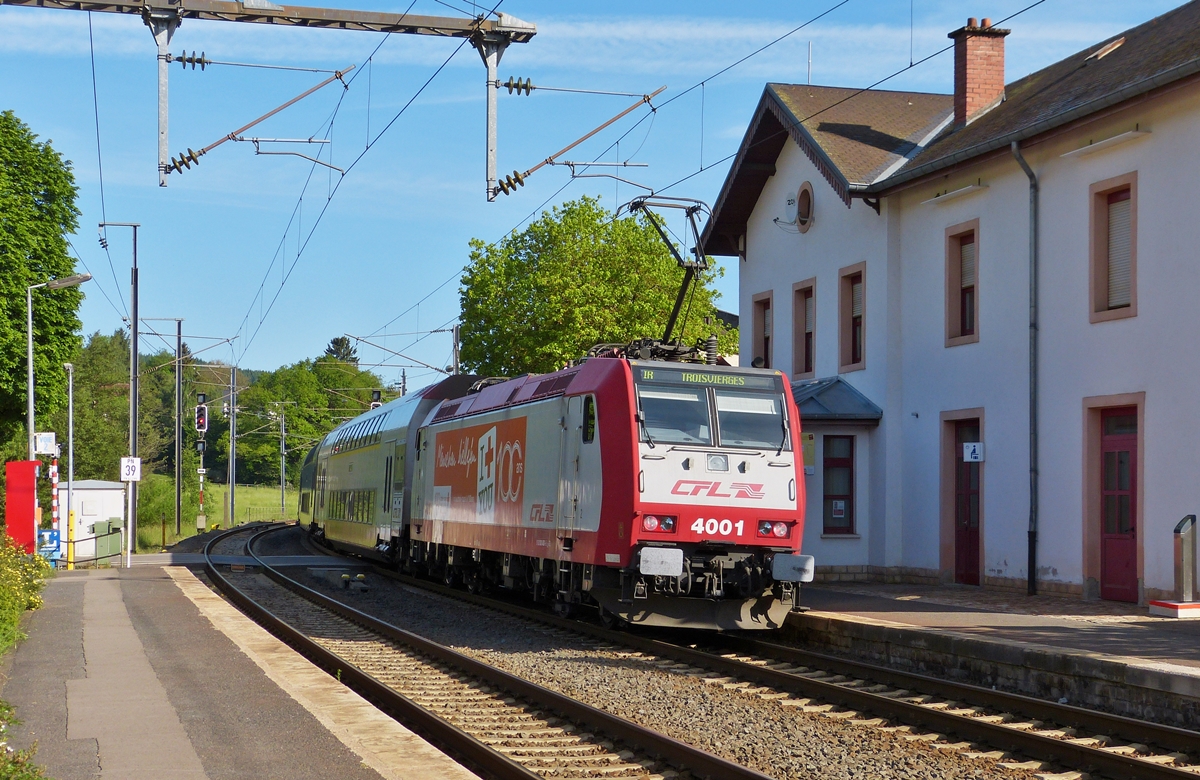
(131,474)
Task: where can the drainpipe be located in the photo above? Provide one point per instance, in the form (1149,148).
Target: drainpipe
(1033,366)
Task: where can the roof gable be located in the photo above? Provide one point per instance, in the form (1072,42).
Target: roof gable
(834,400)
(851,142)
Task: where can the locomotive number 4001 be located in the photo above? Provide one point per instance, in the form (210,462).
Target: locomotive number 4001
(713,527)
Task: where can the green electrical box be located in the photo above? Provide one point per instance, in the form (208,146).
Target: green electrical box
(108,544)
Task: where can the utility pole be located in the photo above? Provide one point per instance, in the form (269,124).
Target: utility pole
(456,347)
(133,373)
(282,461)
(178,426)
(403,382)
(178,414)
(232,444)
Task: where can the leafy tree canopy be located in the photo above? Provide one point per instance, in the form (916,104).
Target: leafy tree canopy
(37,213)
(575,278)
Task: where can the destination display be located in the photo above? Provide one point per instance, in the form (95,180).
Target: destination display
(672,376)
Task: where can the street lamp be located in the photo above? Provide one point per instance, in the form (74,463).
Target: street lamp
(53,284)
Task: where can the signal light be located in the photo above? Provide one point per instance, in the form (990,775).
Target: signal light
(658,524)
(201,418)
(779,530)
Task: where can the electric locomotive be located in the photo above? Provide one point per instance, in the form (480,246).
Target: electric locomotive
(661,493)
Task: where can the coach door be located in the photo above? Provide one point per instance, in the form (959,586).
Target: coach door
(966,506)
(1118,504)
(568,491)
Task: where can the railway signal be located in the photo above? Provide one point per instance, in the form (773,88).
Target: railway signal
(201,418)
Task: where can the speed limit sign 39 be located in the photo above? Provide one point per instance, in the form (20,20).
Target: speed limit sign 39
(131,469)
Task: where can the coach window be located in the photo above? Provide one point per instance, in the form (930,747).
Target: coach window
(839,484)
(589,418)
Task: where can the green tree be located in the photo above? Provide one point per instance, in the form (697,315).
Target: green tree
(37,213)
(341,349)
(574,278)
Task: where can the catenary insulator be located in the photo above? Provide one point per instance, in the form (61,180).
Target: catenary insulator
(185,160)
(510,183)
(516,85)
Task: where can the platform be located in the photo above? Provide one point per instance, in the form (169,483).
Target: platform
(146,673)
(1106,655)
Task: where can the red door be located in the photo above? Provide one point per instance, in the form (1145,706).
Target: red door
(966,506)
(1118,505)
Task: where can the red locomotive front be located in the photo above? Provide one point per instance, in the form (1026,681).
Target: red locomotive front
(663,493)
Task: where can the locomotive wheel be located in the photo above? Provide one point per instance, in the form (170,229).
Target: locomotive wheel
(610,620)
(450,576)
(474,582)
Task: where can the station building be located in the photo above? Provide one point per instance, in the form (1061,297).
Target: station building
(986,304)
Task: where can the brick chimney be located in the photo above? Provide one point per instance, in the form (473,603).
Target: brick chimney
(978,69)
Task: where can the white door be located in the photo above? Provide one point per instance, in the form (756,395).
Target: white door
(568,491)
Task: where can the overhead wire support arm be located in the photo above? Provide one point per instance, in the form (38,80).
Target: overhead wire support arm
(489,36)
(187,159)
(510,183)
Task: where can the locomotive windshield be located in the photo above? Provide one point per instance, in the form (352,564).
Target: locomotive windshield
(675,415)
(677,405)
(750,420)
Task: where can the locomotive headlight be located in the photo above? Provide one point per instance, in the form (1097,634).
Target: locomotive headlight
(717,462)
(658,524)
(777,529)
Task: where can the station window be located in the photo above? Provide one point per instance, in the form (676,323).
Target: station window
(760,344)
(852,303)
(839,484)
(804,326)
(962,283)
(1114,248)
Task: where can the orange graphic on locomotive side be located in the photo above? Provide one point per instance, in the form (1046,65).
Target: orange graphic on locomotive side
(479,473)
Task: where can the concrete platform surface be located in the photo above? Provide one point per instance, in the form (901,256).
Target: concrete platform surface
(1109,656)
(1107,628)
(146,673)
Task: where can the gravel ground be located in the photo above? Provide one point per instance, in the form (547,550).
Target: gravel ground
(780,741)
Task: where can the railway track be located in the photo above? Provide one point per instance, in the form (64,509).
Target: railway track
(502,725)
(926,707)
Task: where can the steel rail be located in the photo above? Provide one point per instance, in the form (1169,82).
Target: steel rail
(673,751)
(297,16)
(392,702)
(1062,751)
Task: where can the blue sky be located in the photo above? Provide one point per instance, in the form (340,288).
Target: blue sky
(231,247)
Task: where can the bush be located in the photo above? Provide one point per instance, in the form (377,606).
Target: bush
(21,580)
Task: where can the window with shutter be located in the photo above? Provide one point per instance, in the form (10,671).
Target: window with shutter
(804,320)
(852,306)
(761,334)
(966,298)
(1113,248)
(856,319)
(1120,216)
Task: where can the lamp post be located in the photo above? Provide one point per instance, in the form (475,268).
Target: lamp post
(70,464)
(53,284)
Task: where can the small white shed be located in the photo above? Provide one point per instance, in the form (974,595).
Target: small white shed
(93,501)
